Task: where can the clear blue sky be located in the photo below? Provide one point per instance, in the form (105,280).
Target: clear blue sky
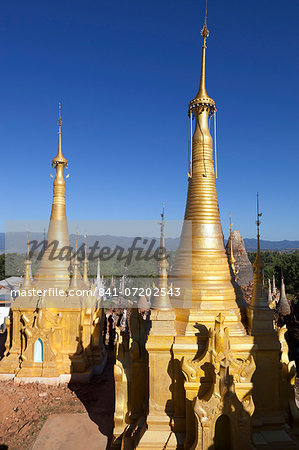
(125,72)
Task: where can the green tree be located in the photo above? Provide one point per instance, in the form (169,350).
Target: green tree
(2,266)
(276,263)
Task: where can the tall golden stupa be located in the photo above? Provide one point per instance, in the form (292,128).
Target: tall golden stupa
(53,335)
(208,374)
(211,292)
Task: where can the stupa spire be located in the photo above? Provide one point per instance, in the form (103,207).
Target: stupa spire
(232,259)
(274,291)
(122,284)
(59,163)
(112,282)
(260,317)
(59,158)
(55,271)
(258,294)
(202,91)
(269,292)
(162,301)
(162,223)
(27,263)
(283,306)
(99,271)
(85,263)
(258,262)
(100,281)
(207,273)
(75,267)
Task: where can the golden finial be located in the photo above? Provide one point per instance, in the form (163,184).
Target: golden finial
(85,263)
(59,162)
(59,158)
(202,99)
(205,32)
(202,92)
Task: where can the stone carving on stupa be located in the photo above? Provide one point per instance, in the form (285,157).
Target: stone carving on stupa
(219,376)
(243,265)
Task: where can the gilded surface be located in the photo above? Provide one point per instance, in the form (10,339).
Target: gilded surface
(217,374)
(212,290)
(214,382)
(70,333)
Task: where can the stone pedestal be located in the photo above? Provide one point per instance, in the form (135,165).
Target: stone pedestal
(159,433)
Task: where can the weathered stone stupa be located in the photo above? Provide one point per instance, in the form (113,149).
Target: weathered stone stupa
(244,271)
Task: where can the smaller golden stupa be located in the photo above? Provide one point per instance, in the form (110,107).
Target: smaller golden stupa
(51,333)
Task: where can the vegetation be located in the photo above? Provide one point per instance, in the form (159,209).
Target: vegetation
(12,264)
(143,273)
(276,263)
(2,266)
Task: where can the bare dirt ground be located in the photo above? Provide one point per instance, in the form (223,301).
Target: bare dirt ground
(70,432)
(24,408)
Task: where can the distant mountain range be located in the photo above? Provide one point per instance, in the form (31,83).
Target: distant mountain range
(17,242)
(250,245)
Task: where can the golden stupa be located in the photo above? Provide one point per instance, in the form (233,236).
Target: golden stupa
(202,371)
(52,335)
(206,372)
